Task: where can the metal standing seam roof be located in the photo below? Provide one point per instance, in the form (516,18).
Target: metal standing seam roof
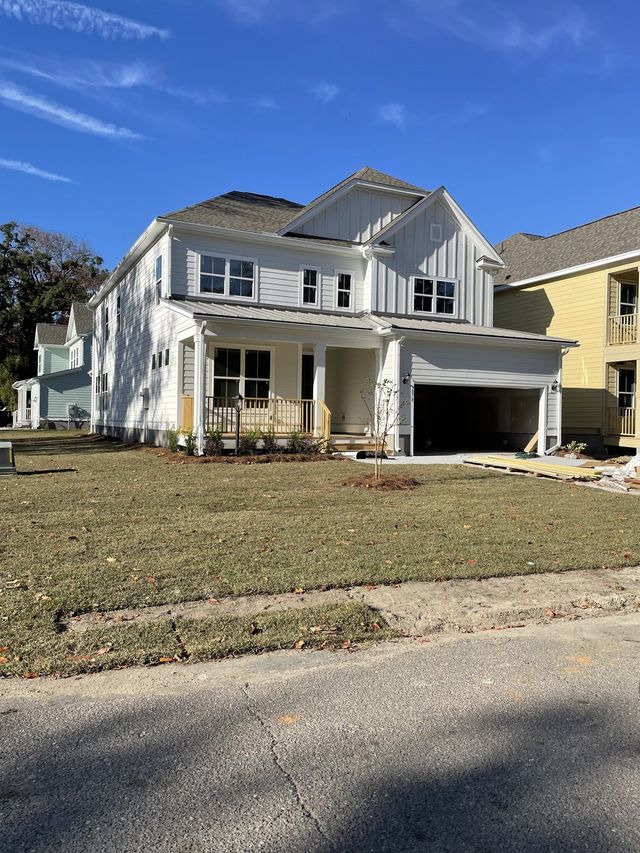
(52,334)
(356,322)
(532,255)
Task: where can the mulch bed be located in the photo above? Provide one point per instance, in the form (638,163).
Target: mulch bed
(387,483)
(257,459)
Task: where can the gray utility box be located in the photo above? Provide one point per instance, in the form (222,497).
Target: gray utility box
(7,459)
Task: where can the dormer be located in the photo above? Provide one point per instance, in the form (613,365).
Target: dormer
(355,209)
(79,331)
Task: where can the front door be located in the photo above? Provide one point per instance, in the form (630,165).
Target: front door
(306,385)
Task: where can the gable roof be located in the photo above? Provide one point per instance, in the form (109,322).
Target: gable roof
(82,318)
(51,334)
(530,255)
(243,211)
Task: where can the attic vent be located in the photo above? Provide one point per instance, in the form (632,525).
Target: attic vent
(435,233)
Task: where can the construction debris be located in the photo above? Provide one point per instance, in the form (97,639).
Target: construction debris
(554,470)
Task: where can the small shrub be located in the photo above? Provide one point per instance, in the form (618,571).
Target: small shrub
(576,447)
(270,442)
(249,442)
(303,444)
(172,439)
(190,444)
(213,444)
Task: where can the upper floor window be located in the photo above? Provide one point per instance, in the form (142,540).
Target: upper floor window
(40,363)
(158,278)
(106,322)
(310,281)
(626,388)
(434,296)
(344,297)
(75,356)
(227,276)
(628,297)
(118,313)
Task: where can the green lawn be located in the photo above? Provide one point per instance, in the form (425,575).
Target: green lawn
(129,528)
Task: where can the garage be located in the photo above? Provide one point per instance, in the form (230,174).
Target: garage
(470,418)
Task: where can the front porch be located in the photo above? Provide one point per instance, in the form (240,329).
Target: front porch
(233,385)
(622,424)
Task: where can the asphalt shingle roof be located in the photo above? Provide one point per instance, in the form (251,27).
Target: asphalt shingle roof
(267,214)
(83,317)
(530,255)
(54,334)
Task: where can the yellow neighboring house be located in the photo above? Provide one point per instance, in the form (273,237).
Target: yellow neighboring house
(582,284)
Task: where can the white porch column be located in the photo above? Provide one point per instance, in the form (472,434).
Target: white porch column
(399,387)
(319,374)
(542,421)
(199,380)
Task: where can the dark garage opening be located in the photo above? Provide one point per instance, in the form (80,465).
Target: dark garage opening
(463,418)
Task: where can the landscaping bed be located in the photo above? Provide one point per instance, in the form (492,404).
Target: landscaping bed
(107,527)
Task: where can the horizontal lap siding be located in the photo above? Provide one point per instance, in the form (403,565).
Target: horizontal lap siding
(575,308)
(278,269)
(58,393)
(358,215)
(454,257)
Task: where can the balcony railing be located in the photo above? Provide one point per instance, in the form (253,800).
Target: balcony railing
(279,416)
(622,329)
(621,421)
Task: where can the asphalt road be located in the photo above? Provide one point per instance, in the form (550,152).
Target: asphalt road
(522,740)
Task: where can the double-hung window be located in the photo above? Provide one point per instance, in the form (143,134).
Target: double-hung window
(74,356)
(118,316)
(433,296)
(106,322)
(628,297)
(626,388)
(158,278)
(344,290)
(310,283)
(241,371)
(227,276)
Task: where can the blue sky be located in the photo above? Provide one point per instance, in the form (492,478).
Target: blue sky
(114,113)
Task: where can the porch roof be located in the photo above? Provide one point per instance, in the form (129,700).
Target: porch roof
(256,313)
(417,324)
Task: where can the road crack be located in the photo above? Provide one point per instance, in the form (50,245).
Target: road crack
(277,761)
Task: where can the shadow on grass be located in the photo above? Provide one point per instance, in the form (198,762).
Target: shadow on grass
(47,471)
(197,773)
(57,445)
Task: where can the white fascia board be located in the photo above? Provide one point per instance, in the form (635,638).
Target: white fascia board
(484,338)
(612,260)
(458,213)
(338,193)
(146,239)
(258,237)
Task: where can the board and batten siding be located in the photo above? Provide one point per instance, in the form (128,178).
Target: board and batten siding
(278,281)
(452,257)
(146,328)
(574,307)
(483,365)
(358,215)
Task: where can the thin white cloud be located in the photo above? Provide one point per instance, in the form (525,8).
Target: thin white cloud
(64,15)
(28,169)
(464,114)
(495,26)
(395,114)
(255,12)
(92,74)
(325,92)
(266,103)
(38,105)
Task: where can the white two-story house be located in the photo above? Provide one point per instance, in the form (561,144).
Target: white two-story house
(60,394)
(296,309)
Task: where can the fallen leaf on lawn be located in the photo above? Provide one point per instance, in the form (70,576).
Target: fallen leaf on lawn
(376,626)
(212,601)
(467,526)
(254,628)
(346,644)
(30,675)
(299,644)
(4,649)
(472,562)
(165,660)
(287,719)
(3,660)
(111,560)
(315,629)
(149,578)
(104,649)
(298,590)
(40,596)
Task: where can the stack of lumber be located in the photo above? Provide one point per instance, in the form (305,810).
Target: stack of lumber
(534,466)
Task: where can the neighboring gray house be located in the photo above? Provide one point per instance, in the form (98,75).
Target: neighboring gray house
(297,308)
(60,395)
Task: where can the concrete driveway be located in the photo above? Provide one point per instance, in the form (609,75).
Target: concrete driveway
(522,740)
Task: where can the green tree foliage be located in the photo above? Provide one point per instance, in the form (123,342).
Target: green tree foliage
(41,274)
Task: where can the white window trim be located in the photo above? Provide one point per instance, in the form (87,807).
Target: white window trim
(243,349)
(352,301)
(318,271)
(75,350)
(435,279)
(227,259)
(435,233)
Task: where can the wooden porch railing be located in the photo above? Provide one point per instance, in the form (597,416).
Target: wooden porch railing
(27,414)
(280,416)
(621,421)
(622,329)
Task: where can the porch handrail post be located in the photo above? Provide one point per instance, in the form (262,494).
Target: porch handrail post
(319,375)
(199,402)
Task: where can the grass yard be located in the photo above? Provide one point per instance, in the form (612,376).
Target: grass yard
(128,528)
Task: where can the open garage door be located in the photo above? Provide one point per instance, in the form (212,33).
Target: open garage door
(464,418)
